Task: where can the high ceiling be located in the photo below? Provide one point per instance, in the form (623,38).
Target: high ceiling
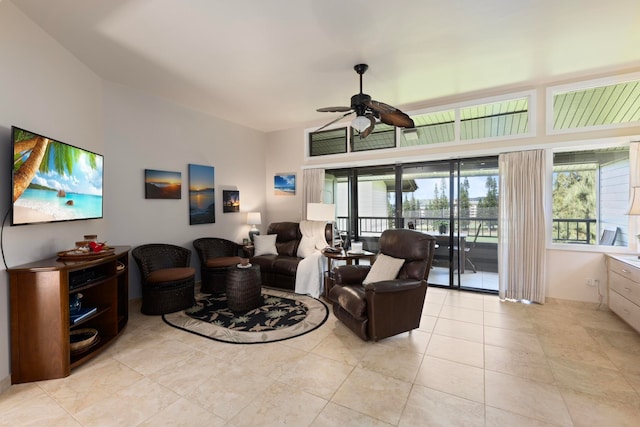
(268,64)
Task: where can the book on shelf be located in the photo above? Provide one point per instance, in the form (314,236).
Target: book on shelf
(81,314)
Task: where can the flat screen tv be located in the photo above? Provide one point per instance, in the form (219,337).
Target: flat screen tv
(53,181)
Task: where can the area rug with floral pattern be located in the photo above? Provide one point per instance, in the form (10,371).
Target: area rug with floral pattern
(283,315)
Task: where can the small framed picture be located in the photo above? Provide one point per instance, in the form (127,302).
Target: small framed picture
(230,201)
(159,184)
(284,184)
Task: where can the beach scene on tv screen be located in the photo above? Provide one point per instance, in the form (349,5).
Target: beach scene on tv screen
(53,181)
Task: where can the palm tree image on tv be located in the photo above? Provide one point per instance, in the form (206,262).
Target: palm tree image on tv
(53,181)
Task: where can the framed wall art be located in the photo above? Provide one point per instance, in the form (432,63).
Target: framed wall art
(202,202)
(162,184)
(230,201)
(284,184)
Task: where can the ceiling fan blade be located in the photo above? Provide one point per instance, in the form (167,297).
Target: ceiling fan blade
(391,115)
(380,107)
(365,133)
(335,120)
(333,109)
(398,119)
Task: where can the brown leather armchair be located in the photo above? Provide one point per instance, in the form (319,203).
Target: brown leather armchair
(390,307)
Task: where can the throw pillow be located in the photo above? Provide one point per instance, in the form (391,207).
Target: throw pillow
(385,267)
(265,245)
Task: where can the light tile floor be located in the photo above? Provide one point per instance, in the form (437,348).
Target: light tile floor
(484,280)
(474,361)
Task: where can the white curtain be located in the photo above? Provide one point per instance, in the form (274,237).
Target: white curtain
(313,187)
(521,252)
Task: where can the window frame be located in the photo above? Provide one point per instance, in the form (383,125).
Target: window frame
(326,130)
(457,141)
(585,145)
(551,91)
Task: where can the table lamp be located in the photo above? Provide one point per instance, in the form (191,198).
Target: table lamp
(253,219)
(634,205)
(322,212)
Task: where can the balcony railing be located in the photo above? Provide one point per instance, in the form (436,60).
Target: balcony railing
(564,230)
(374,226)
(575,231)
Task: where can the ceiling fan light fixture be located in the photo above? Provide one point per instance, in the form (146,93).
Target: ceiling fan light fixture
(360,123)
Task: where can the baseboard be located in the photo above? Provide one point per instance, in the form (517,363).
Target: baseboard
(577,304)
(5,383)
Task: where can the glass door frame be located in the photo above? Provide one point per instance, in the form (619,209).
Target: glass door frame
(354,222)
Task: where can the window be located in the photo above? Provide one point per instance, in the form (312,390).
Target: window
(497,119)
(590,197)
(594,104)
(431,128)
(507,116)
(383,136)
(333,141)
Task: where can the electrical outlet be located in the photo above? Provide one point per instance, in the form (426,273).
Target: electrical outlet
(592,282)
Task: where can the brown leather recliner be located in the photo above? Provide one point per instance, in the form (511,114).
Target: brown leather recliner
(383,309)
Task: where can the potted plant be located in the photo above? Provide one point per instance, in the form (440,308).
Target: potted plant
(443,226)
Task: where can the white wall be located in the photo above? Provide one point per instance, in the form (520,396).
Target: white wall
(568,271)
(47,90)
(44,89)
(144,132)
(284,153)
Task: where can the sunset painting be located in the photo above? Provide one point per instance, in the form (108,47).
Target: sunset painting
(162,184)
(230,201)
(202,207)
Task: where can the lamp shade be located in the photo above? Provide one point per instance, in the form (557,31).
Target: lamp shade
(634,205)
(321,212)
(360,123)
(253,218)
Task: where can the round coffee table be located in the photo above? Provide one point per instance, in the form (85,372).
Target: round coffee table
(244,288)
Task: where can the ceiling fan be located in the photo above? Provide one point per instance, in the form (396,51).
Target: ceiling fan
(368,111)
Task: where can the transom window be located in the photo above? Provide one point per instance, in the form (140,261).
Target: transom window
(494,120)
(594,104)
(431,128)
(325,142)
(383,136)
(498,118)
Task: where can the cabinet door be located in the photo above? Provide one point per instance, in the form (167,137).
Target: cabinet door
(625,287)
(39,326)
(624,270)
(624,308)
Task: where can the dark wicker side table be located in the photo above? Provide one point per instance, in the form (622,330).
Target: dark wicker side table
(244,288)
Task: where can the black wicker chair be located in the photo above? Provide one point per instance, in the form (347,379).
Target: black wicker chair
(216,256)
(167,280)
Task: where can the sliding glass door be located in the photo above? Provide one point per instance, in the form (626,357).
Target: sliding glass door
(477,223)
(427,208)
(455,201)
